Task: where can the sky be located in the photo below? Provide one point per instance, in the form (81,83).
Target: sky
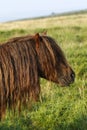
(19,9)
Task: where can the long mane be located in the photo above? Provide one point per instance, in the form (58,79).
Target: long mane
(18,65)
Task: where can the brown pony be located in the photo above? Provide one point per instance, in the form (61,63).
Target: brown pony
(23,60)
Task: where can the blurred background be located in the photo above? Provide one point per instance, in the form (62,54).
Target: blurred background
(21,9)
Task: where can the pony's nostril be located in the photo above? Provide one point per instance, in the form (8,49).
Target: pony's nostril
(72,76)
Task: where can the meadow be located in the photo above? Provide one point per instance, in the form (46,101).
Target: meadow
(62,108)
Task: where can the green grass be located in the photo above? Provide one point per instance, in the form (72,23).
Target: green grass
(61,108)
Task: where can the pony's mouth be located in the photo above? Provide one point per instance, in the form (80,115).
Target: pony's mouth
(65,82)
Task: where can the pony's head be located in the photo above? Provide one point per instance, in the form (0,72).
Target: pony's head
(52,64)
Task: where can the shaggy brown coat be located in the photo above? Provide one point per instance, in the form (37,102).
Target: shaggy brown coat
(23,60)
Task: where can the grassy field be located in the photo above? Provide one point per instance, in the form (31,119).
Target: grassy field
(61,108)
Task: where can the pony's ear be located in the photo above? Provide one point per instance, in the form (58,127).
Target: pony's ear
(37,40)
(37,36)
(45,32)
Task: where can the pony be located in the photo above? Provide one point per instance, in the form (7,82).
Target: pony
(23,61)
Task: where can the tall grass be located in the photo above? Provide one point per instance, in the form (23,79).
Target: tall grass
(61,108)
